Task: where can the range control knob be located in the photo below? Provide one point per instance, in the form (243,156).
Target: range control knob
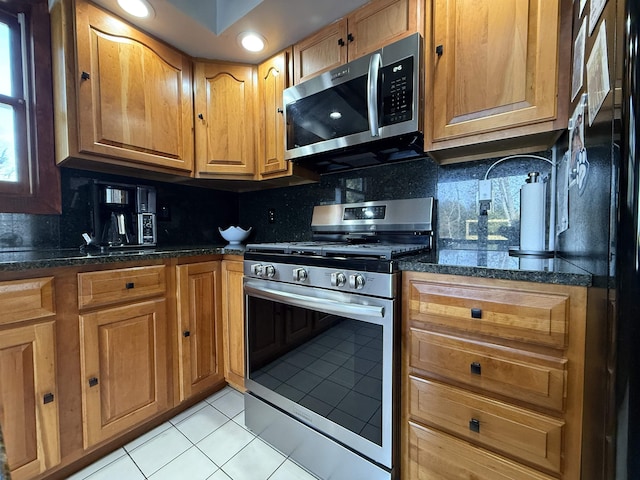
(338,279)
(257,270)
(270,271)
(299,274)
(356,281)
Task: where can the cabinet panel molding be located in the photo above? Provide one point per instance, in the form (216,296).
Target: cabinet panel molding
(26,299)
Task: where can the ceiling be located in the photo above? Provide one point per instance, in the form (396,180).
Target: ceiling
(210,28)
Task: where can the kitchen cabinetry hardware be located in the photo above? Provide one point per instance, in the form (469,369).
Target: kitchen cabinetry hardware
(341,42)
(476,368)
(93,381)
(186,333)
(279,110)
(129,285)
(200,116)
(350,38)
(85,76)
(474,425)
(439,50)
(47,398)
(476,313)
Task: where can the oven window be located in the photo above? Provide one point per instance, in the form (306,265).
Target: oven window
(329,364)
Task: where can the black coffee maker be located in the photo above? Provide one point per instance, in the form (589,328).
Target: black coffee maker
(122,214)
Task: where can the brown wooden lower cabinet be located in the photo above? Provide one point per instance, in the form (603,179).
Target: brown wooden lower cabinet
(233,320)
(199,327)
(483,406)
(28,399)
(123,355)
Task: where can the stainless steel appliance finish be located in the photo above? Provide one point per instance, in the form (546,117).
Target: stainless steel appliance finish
(322,336)
(361,104)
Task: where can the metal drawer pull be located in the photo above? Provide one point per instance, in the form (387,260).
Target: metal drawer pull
(93,381)
(476,313)
(186,333)
(48,398)
(476,368)
(129,285)
(474,425)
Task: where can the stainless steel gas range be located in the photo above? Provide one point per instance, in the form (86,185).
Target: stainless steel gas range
(322,337)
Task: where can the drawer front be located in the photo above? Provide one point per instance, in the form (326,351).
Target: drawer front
(518,433)
(26,299)
(437,456)
(534,317)
(521,375)
(122,285)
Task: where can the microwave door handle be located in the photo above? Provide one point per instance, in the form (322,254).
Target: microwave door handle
(323,305)
(372,93)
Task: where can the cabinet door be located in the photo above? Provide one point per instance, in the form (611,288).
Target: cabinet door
(225,111)
(123,361)
(273,78)
(134,94)
(498,66)
(382,22)
(321,51)
(233,322)
(199,327)
(28,399)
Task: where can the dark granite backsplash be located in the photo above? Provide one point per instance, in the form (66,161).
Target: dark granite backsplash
(195,213)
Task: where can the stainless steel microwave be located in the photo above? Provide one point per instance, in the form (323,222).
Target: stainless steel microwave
(365,112)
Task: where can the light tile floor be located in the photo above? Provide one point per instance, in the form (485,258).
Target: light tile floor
(207,441)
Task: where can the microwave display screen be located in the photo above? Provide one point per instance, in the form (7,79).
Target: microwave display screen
(332,113)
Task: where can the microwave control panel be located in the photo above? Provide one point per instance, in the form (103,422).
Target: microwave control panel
(397,92)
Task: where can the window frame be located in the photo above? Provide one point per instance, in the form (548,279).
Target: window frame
(38,188)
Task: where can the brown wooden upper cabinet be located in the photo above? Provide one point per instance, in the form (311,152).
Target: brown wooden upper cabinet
(121,96)
(499,76)
(225,117)
(274,75)
(363,31)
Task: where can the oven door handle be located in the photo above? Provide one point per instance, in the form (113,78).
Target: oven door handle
(323,305)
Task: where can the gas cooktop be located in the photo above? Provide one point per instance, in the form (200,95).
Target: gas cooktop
(384,251)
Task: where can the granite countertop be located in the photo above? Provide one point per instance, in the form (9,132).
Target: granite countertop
(499,265)
(32,259)
(478,263)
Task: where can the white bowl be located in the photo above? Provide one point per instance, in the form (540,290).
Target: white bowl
(234,235)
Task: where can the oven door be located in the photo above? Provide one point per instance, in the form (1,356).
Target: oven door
(327,359)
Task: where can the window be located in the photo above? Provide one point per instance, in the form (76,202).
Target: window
(29,179)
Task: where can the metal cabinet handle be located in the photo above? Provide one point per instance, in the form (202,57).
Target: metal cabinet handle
(350,38)
(341,42)
(129,285)
(474,425)
(85,76)
(201,116)
(476,313)
(439,50)
(476,368)
(93,381)
(48,398)
(186,333)
(279,110)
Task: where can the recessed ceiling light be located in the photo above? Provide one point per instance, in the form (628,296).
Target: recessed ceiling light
(252,41)
(335,115)
(137,8)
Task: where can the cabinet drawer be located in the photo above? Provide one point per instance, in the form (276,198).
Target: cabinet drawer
(122,285)
(521,375)
(534,317)
(26,299)
(437,456)
(516,432)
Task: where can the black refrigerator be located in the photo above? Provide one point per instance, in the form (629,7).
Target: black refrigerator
(628,253)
